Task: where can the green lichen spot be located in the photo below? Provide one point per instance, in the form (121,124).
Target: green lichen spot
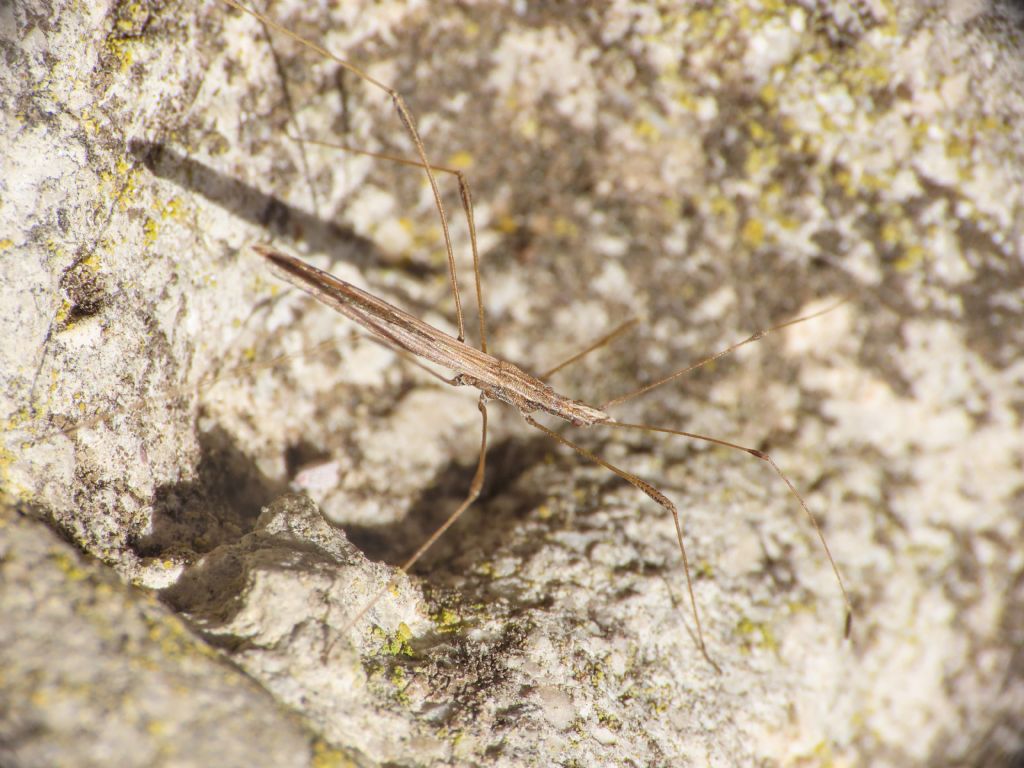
(401,682)
(911,257)
(172,210)
(757,634)
(607,719)
(396,644)
(461,160)
(446,620)
(325,756)
(68,566)
(753,234)
(150,230)
(120,49)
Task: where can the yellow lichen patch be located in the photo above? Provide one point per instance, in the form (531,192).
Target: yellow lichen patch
(174,640)
(912,256)
(845,181)
(401,682)
(891,233)
(699,21)
(446,620)
(788,223)
(150,230)
(753,234)
(172,209)
(528,128)
(63,312)
(822,755)
(957,148)
(326,756)
(6,244)
(506,224)
(646,130)
(131,14)
(757,634)
(721,205)
(91,263)
(122,183)
(800,606)
(461,160)
(873,182)
(7,460)
(121,49)
(396,644)
(69,566)
(566,228)
(756,131)
(156,728)
(761,158)
(989,124)
(607,719)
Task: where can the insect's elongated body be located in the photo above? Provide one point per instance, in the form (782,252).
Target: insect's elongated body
(500,380)
(496,379)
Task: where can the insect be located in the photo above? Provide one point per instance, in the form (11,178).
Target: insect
(497,379)
(524,392)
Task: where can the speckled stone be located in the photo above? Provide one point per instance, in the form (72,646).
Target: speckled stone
(711,169)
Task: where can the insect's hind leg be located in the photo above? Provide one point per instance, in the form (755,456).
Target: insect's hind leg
(475,486)
(759,454)
(659,498)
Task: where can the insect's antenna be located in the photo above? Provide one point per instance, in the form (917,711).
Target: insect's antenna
(467,207)
(778,470)
(722,353)
(407,120)
(608,338)
(286,91)
(655,495)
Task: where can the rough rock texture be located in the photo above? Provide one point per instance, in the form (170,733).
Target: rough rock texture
(96,672)
(710,169)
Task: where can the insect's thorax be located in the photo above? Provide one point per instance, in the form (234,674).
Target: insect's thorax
(527,394)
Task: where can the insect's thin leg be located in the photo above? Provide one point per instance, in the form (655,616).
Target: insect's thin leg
(452,381)
(722,353)
(286,91)
(778,470)
(407,120)
(608,338)
(467,207)
(655,495)
(474,491)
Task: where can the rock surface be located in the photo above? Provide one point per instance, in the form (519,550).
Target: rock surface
(711,170)
(95,669)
